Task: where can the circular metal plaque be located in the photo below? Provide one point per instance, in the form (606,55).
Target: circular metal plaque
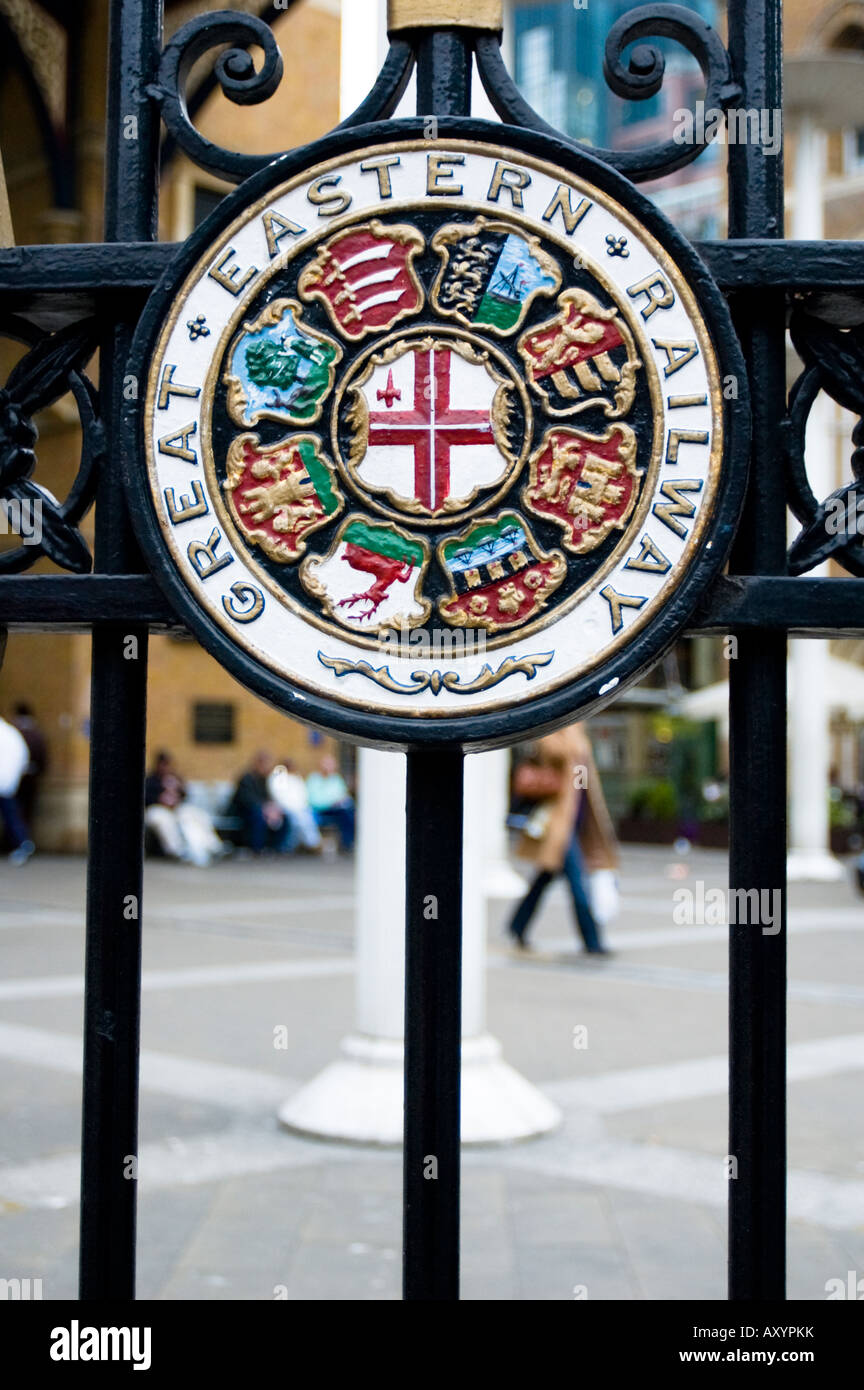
(437,439)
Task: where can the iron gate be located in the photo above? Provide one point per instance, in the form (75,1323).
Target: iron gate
(84,296)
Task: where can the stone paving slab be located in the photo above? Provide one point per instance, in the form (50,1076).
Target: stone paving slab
(626,1201)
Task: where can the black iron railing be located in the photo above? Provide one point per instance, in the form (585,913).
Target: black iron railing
(51,287)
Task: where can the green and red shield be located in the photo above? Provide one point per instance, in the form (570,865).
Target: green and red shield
(371,577)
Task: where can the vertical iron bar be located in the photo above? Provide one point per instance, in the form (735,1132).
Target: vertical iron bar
(433,1018)
(433,903)
(117,725)
(444,59)
(757,715)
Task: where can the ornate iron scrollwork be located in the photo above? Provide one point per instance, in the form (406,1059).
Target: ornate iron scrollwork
(242,83)
(638,80)
(834,362)
(47,372)
(236,74)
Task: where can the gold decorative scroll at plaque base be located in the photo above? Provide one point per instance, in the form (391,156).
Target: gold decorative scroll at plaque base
(416,14)
(436,680)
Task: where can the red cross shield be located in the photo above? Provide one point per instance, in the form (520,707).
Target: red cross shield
(428,429)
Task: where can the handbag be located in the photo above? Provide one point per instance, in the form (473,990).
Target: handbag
(604,895)
(536,781)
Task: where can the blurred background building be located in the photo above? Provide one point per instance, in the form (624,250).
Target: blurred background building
(662,749)
(52,131)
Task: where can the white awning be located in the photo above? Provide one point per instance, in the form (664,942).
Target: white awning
(845,682)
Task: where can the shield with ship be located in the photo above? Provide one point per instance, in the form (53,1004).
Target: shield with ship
(490,274)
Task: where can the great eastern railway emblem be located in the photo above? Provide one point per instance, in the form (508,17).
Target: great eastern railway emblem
(442,464)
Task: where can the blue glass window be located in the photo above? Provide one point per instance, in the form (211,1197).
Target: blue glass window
(559,70)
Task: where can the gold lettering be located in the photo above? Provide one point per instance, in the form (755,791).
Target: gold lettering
(226,274)
(512,180)
(657,292)
(676,505)
(204,559)
(562,201)
(438,167)
(677,354)
(678,437)
(168,387)
(168,444)
(382,168)
(274,220)
(243,594)
(186,509)
(328,204)
(618,601)
(650,558)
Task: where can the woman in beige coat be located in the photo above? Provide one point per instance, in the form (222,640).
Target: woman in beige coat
(558,846)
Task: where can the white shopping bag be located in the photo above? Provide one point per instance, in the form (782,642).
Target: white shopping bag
(603,892)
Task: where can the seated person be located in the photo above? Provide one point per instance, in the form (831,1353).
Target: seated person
(264,824)
(330,801)
(288,790)
(184,832)
(14,757)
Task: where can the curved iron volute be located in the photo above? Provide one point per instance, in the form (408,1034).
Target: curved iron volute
(47,371)
(834,362)
(640,79)
(242,83)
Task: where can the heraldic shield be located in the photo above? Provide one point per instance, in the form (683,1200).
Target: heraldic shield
(434,443)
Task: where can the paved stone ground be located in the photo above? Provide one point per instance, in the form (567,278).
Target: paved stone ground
(626,1199)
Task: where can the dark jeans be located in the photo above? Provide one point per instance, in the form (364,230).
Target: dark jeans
(16,830)
(258,835)
(26,797)
(342,817)
(574,870)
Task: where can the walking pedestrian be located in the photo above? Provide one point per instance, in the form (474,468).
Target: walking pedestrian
(569,830)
